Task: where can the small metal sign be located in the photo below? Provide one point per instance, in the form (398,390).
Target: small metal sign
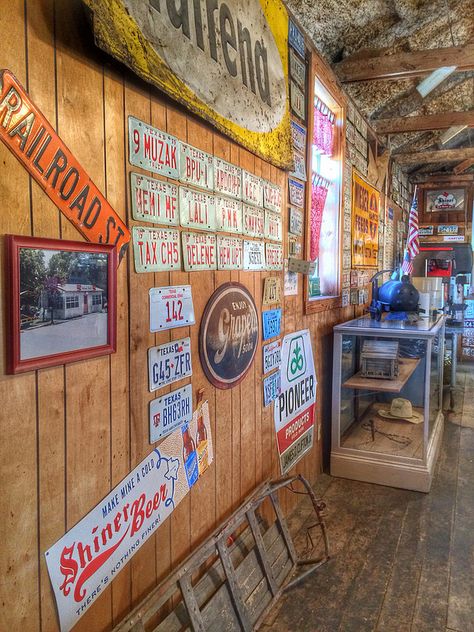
(254,255)
(297,69)
(253,221)
(425,231)
(152,149)
(197,209)
(229,253)
(199,251)
(156,249)
(447,229)
(271,321)
(272,291)
(271,356)
(273,229)
(274,256)
(252,189)
(271,388)
(296,192)
(296,221)
(196,167)
(227,178)
(298,265)
(299,170)
(291,282)
(169,363)
(170,412)
(154,200)
(297,101)
(228,215)
(296,38)
(295,248)
(458,238)
(298,136)
(272,197)
(171,307)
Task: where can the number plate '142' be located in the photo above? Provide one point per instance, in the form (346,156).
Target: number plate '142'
(171,307)
(169,363)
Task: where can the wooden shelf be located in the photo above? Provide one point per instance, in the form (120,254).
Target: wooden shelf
(406,367)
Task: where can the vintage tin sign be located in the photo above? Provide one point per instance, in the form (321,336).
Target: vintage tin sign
(228,336)
(296,38)
(296,221)
(271,320)
(447,229)
(199,251)
(273,229)
(272,197)
(170,411)
(152,149)
(445,200)
(169,363)
(254,255)
(296,192)
(425,231)
(271,388)
(252,188)
(297,101)
(171,307)
(154,200)
(297,69)
(229,253)
(227,178)
(253,221)
(196,209)
(228,214)
(299,170)
(156,249)
(298,137)
(36,145)
(274,256)
(271,291)
(196,167)
(271,356)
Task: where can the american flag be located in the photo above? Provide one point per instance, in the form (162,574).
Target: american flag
(413,242)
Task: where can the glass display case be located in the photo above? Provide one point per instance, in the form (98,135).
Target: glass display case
(387,419)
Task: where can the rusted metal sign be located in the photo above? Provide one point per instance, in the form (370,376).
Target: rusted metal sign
(228,215)
(196,166)
(197,209)
(227,178)
(297,101)
(254,255)
(271,356)
(169,363)
(254,221)
(152,149)
(34,142)
(296,221)
(229,253)
(297,69)
(154,200)
(156,249)
(252,189)
(273,226)
(199,251)
(272,291)
(171,307)
(296,192)
(272,197)
(170,411)
(274,256)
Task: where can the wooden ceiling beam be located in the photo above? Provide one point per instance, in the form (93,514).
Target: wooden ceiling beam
(462,166)
(434,156)
(405,65)
(443,120)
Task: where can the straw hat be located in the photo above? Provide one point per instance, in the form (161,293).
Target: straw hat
(402,409)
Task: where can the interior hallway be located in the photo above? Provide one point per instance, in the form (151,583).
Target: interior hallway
(401,561)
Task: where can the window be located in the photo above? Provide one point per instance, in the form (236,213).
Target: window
(72,301)
(96,299)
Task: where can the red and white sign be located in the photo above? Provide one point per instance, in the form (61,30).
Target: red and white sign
(197,209)
(228,214)
(272,197)
(229,253)
(152,149)
(254,221)
(199,251)
(254,255)
(271,356)
(154,200)
(273,229)
(171,307)
(252,189)
(196,167)
(274,256)
(227,179)
(156,249)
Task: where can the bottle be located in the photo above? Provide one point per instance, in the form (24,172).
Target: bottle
(189,456)
(201,437)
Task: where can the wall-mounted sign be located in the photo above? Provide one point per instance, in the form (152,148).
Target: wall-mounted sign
(254,255)
(425,231)
(156,249)
(271,388)
(447,229)
(296,221)
(445,200)
(229,253)
(171,307)
(273,229)
(271,356)
(199,251)
(252,188)
(298,137)
(297,101)
(271,291)
(291,282)
(227,178)
(169,363)
(459,238)
(253,221)
(272,198)
(170,411)
(196,167)
(274,256)
(36,145)
(154,200)
(296,192)
(196,209)
(365,223)
(271,320)
(294,408)
(295,247)
(91,554)
(297,69)
(228,336)
(152,149)
(299,170)
(296,38)
(228,215)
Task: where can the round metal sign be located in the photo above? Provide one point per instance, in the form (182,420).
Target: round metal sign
(229,335)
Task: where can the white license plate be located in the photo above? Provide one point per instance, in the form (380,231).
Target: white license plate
(169,363)
(156,249)
(271,356)
(170,412)
(154,200)
(273,228)
(199,251)
(254,255)
(152,149)
(229,253)
(196,167)
(254,221)
(197,209)
(171,307)
(252,189)
(271,388)
(274,256)
(272,197)
(227,178)
(228,215)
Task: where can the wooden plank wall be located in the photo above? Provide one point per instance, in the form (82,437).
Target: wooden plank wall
(70,433)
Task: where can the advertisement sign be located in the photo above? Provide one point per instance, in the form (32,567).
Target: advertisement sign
(168,363)
(271,291)
(254,221)
(170,411)
(199,251)
(296,38)
(297,101)
(152,149)
(196,167)
(274,256)
(445,200)
(447,229)
(294,408)
(228,215)
(271,388)
(229,253)
(273,229)
(297,69)
(254,255)
(156,249)
(154,200)
(271,356)
(171,307)
(36,145)
(296,192)
(459,238)
(272,198)
(228,336)
(299,170)
(365,222)
(271,320)
(252,189)
(298,137)
(296,221)
(227,179)
(425,231)
(196,209)
(89,556)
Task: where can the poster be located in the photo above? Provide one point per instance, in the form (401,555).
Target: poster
(365,221)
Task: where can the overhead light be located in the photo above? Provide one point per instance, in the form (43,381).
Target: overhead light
(432,81)
(450,133)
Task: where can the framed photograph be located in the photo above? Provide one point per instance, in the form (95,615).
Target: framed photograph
(62,301)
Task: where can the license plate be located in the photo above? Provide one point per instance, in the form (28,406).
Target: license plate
(152,149)
(156,249)
(296,38)
(196,166)
(296,221)
(274,257)
(254,255)
(300,166)
(297,69)
(153,200)
(272,197)
(197,209)
(170,412)
(273,226)
(171,307)
(297,101)
(271,388)
(252,189)
(169,363)
(298,136)
(272,291)
(228,215)
(227,179)
(199,251)
(271,356)
(229,253)
(271,320)
(296,191)
(254,221)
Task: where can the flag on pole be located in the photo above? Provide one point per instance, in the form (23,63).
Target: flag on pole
(413,243)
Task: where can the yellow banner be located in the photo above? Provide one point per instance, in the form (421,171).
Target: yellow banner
(365,223)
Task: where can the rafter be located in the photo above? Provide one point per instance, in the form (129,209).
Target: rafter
(443,120)
(434,156)
(462,166)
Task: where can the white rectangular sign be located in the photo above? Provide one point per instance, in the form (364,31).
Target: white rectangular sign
(296,192)
(229,253)
(274,256)
(228,215)
(273,229)
(297,101)
(272,197)
(154,200)
(299,170)
(271,388)
(156,249)
(296,221)
(196,209)
(297,69)
(254,255)
(171,307)
(199,251)
(271,356)
(253,221)
(152,149)
(169,363)
(252,189)
(196,167)
(227,178)
(298,136)
(170,411)
(453,238)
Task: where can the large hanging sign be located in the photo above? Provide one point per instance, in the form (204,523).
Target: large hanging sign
(294,407)
(91,555)
(227,63)
(228,336)
(365,223)
(33,141)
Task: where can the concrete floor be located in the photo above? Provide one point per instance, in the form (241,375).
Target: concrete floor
(401,561)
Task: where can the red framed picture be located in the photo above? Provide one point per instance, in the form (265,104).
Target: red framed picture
(62,301)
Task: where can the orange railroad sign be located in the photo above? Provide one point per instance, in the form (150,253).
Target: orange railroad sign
(29,136)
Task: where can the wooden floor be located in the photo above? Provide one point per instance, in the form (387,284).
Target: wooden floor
(401,561)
